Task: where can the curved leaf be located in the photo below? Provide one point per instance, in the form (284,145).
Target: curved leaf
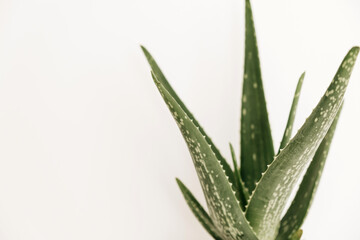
(256,144)
(198,211)
(290,123)
(275,186)
(162,79)
(297,212)
(223,205)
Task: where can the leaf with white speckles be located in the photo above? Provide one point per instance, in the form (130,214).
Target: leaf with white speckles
(198,211)
(274,188)
(290,123)
(297,212)
(256,144)
(242,191)
(162,79)
(224,208)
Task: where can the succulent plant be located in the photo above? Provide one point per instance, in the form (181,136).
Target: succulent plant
(247,201)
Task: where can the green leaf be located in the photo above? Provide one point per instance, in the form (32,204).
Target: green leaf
(273,190)
(161,78)
(290,123)
(257,149)
(297,212)
(223,205)
(198,211)
(242,191)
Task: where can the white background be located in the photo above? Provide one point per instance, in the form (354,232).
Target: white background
(88,149)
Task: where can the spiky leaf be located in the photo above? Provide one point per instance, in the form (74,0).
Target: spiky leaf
(257,149)
(269,198)
(198,211)
(290,123)
(162,79)
(297,212)
(222,203)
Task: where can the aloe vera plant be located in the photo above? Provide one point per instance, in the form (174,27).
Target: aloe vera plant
(247,201)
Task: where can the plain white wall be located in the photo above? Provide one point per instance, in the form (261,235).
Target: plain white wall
(88,149)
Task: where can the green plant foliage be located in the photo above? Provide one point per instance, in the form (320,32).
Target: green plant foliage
(239,184)
(225,210)
(296,214)
(291,119)
(247,202)
(274,188)
(256,144)
(161,78)
(198,211)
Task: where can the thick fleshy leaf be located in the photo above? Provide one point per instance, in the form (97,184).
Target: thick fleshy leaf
(224,208)
(242,191)
(297,212)
(290,122)
(198,211)
(273,190)
(162,79)
(256,144)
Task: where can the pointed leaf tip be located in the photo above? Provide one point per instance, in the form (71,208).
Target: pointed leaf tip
(291,118)
(198,211)
(224,208)
(256,144)
(160,78)
(274,188)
